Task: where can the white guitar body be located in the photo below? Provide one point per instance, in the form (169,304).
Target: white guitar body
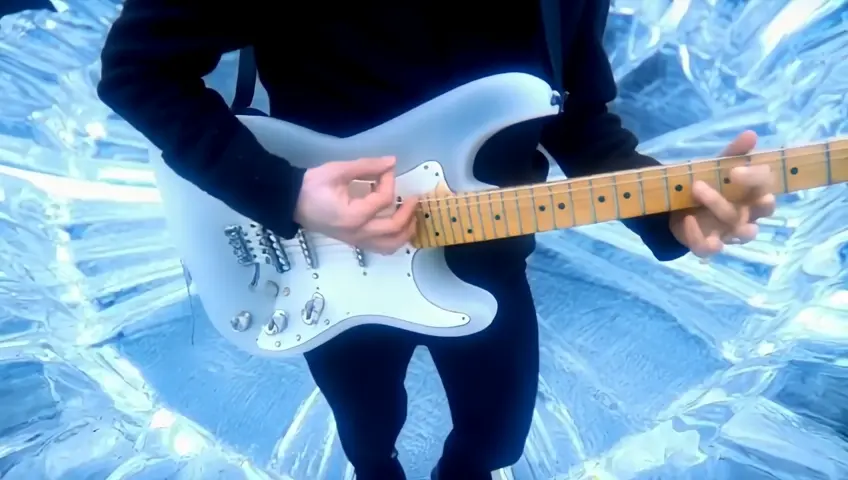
(277,304)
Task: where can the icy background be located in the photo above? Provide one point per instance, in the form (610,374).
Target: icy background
(732,370)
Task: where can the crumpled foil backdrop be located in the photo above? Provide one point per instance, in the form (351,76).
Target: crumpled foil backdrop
(735,369)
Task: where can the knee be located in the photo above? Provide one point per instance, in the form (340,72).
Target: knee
(508,435)
(499,445)
(507,449)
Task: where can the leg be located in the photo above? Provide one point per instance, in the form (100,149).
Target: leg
(361,374)
(491,378)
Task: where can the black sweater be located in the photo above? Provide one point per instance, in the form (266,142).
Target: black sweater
(344,67)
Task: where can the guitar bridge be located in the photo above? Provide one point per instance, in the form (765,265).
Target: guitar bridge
(273,251)
(255,244)
(238,239)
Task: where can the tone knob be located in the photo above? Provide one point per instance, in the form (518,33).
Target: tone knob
(277,323)
(241,322)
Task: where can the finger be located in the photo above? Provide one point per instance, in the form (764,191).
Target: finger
(757,180)
(742,144)
(388,244)
(701,245)
(364,209)
(745,233)
(364,168)
(719,206)
(763,207)
(743,215)
(397,223)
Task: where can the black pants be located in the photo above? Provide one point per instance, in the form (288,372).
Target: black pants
(491,380)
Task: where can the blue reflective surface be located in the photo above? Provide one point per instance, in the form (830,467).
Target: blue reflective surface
(736,369)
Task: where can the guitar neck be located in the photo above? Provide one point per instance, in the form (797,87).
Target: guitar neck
(454,219)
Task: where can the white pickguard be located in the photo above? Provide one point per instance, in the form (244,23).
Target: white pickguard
(412,289)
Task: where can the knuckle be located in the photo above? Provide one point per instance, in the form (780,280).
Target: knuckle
(351,222)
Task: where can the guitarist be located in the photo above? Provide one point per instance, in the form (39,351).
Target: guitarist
(349,66)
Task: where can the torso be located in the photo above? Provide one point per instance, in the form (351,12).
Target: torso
(343,69)
(357,64)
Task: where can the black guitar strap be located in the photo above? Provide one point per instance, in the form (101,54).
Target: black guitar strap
(245,82)
(551,17)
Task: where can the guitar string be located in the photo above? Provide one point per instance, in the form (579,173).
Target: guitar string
(690,173)
(325,241)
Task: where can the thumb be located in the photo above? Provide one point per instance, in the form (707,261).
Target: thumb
(365,168)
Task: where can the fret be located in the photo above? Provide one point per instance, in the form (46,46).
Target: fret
(827,162)
(501,227)
(603,198)
(806,167)
(615,196)
(708,172)
(628,195)
(581,202)
(543,208)
(512,216)
(475,216)
(428,221)
(572,207)
(448,204)
(487,214)
(679,187)
(775,162)
(422,238)
(641,192)
(464,219)
(525,203)
(563,208)
(665,188)
(838,164)
(726,165)
(654,192)
(441,217)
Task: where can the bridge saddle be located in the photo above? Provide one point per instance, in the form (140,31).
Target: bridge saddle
(254,244)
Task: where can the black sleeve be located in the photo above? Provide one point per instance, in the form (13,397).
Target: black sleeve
(153,63)
(588,139)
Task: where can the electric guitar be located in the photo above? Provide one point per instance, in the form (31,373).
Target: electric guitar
(276,297)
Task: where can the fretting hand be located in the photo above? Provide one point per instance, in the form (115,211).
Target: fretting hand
(326,205)
(706,229)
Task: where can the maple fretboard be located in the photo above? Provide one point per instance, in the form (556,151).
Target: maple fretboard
(457,218)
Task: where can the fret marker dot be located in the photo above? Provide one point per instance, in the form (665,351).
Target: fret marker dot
(678,188)
(602,199)
(453,219)
(561,206)
(626,195)
(726,180)
(793,170)
(541,208)
(497,217)
(426,215)
(437,234)
(470,231)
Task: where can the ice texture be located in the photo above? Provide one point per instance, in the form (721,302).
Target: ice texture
(736,369)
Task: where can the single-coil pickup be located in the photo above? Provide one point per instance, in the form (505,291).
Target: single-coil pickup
(274,251)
